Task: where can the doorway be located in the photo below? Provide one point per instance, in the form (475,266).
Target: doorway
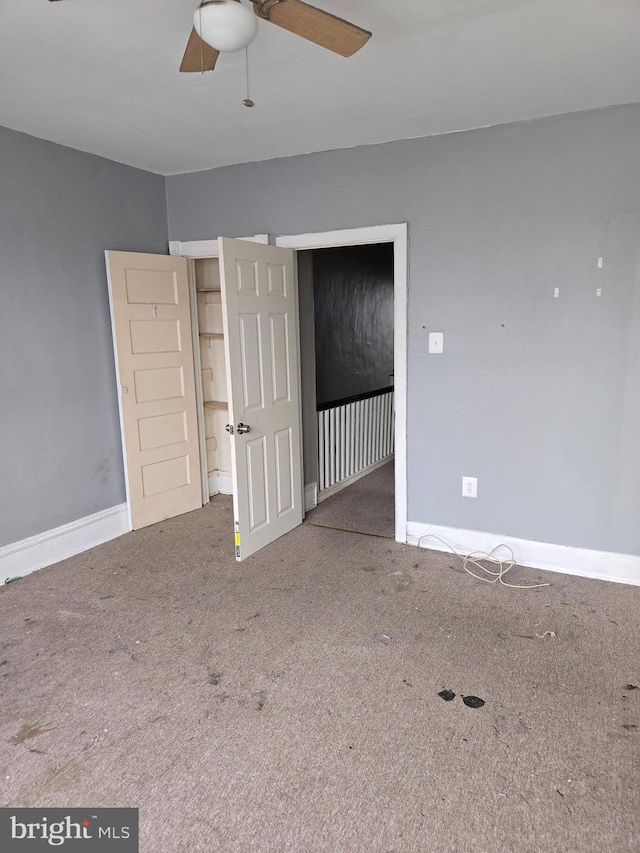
(397,236)
(346,351)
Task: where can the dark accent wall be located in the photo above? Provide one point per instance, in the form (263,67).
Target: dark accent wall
(353,310)
(538,397)
(60,451)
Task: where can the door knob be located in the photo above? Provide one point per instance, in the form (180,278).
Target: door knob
(229,429)
(242,428)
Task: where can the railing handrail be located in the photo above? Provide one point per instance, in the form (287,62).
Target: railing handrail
(322,407)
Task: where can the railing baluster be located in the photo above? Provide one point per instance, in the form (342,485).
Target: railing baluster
(349,439)
(363,432)
(327,452)
(343,443)
(385,426)
(334,445)
(359,428)
(383,432)
(320,452)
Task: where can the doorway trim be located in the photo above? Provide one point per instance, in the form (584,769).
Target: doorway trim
(398,235)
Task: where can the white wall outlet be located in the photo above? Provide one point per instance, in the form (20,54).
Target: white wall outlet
(436,342)
(556,292)
(470,487)
(600,260)
(598,291)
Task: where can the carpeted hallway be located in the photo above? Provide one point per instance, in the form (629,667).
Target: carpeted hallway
(366,506)
(290,702)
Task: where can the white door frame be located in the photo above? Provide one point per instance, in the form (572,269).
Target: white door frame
(396,234)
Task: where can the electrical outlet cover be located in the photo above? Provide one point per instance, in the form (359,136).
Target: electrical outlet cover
(470,487)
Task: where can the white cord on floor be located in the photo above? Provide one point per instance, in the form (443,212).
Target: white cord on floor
(476,558)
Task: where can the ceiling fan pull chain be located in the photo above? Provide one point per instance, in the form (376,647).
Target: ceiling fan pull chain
(247,101)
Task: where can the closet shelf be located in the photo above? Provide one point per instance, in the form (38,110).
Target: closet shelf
(208,290)
(215,404)
(211,335)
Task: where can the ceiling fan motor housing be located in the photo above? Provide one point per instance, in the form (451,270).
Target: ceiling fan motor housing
(226,25)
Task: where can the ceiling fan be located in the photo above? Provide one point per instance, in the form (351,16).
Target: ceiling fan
(228,25)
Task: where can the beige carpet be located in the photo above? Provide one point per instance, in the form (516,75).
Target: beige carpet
(290,702)
(366,506)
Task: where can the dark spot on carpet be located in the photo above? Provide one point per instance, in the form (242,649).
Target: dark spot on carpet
(631,687)
(408,683)
(473,701)
(629,726)
(447,695)
(214,677)
(26,732)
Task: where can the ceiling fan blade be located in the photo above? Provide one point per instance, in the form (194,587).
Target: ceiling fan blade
(315,25)
(199,56)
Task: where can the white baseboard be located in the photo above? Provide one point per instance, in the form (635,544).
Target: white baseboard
(51,546)
(220,482)
(331,490)
(310,496)
(603,565)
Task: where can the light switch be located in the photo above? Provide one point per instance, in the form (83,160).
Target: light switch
(436,342)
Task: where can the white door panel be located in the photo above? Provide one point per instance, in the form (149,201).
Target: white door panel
(260,316)
(149,296)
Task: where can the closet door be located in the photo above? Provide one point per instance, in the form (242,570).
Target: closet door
(259,304)
(149,298)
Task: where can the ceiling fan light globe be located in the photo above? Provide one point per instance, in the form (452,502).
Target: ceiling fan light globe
(226,25)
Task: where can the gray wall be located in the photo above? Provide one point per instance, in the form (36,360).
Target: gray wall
(60,454)
(353,308)
(537,397)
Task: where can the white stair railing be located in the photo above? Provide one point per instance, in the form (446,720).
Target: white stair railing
(354,436)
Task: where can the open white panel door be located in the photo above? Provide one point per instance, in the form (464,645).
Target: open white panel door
(259,305)
(149,297)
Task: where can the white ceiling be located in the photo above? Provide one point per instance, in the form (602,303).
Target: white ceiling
(102,76)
